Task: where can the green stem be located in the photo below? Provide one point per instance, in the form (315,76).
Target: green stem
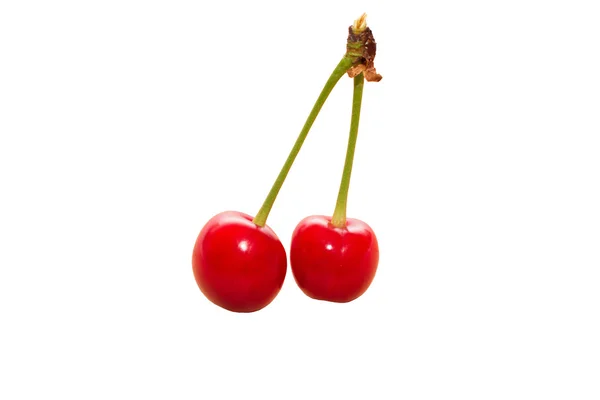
(339,215)
(338,72)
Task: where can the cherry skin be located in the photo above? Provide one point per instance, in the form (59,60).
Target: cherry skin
(333,264)
(238,265)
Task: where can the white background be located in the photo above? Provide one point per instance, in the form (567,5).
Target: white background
(125,125)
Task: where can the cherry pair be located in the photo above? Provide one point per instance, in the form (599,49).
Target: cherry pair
(239,262)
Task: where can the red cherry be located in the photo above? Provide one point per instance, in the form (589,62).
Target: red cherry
(333,264)
(238,265)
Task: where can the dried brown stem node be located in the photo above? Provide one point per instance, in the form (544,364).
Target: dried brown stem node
(361,45)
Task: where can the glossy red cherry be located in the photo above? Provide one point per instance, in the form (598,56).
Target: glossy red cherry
(335,258)
(333,264)
(238,265)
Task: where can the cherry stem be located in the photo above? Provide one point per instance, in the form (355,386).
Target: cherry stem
(338,72)
(339,215)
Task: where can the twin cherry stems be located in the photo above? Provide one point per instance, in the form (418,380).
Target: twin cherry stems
(239,262)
